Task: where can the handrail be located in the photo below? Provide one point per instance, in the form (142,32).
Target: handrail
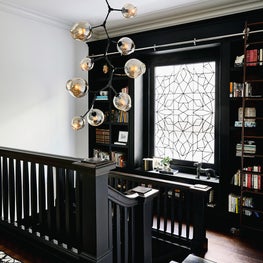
(31,156)
(121,199)
(160,182)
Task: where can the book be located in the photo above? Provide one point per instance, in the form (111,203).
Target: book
(248,124)
(101,97)
(141,189)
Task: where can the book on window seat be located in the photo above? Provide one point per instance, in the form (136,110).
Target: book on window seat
(141,189)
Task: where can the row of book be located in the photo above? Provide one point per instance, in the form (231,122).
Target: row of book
(234,204)
(237,89)
(117,116)
(254,57)
(250,179)
(102,136)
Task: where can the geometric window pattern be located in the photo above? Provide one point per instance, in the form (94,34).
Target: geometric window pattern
(184,126)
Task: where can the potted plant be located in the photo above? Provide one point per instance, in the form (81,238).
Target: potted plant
(166,163)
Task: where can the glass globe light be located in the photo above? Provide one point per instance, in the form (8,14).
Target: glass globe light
(95,117)
(81,31)
(125,46)
(134,68)
(77,123)
(129,11)
(77,87)
(86,64)
(122,101)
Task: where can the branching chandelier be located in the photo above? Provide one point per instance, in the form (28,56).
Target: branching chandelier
(133,68)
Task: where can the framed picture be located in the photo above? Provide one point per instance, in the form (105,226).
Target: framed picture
(123,136)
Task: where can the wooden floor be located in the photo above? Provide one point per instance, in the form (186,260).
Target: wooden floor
(229,248)
(222,248)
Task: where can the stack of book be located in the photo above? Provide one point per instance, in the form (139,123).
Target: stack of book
(248,124)
(248,149)
(103,136)
(102,97)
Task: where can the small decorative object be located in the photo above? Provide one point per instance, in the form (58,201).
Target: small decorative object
(123,136)
(239,61)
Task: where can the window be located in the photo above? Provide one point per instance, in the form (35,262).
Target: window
(184,111)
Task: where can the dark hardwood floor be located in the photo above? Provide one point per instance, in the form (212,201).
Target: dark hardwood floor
(222,248)
(230,248)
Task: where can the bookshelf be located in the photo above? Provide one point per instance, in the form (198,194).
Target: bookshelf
(246,98)
(117,139)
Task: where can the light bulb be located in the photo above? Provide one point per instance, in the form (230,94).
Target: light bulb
(134,68)
(129,11)
(77,87)
(125,46)
(95,117)
(77,123)
(122,101)
(86,64)
(81,31)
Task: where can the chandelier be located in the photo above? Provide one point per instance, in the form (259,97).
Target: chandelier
(133,68)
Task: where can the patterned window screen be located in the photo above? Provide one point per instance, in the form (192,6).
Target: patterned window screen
(184,126)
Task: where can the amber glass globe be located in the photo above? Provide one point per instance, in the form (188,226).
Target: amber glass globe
(129,10)
(125,46)
(77,87)
(134,68)
(77,123)
(122,101)
(86,64)
(95,117)
(81,31)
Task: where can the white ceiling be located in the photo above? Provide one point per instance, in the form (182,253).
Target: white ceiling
(152,14)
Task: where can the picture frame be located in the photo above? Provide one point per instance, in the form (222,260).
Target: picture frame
(123,136)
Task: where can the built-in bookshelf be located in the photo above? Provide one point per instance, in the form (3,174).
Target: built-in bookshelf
(117,138)
(245,198)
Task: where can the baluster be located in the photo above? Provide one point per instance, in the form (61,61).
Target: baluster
(158,209)
(188,213)
(126,234)
(60,198)
(11,190)
(42,194)
(1,179)
(26,192)
(118,233)
(78,210)
(68,203)
(180,212)
(33,183)
(19,199)
(172,210)
(165,203)
(50,199)
(5,188)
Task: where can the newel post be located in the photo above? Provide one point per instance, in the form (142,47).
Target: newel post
(94,205)
(144,225)
(200,242)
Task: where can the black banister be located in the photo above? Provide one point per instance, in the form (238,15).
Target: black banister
(180,205)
